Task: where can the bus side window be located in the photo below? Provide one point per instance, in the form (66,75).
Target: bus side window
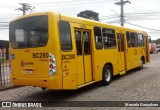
(78,42)
(98,38)
(134,39)
(140,40)
(65,36)
(109,38)
(128,39)
(86,43)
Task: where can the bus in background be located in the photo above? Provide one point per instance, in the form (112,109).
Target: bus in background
(58,52)
(153,48)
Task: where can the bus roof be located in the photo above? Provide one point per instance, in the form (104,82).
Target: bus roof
(79,20)
(90,22)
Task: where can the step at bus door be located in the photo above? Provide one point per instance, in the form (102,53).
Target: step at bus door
(121,54)
(83,48)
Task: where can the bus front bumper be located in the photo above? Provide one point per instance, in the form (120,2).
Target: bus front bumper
(52,82)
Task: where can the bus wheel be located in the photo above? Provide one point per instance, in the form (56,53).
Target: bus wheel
(43,88)
(141,64)
(107,75)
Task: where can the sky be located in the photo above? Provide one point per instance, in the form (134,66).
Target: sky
(138,14)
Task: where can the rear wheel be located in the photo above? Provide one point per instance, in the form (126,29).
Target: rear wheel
(141,64)
(107,75)
(43,88)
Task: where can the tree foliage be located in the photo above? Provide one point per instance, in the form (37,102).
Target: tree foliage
(88,14)
(158,41)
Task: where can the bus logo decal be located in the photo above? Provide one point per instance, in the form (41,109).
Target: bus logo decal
(26,63)
(22,63)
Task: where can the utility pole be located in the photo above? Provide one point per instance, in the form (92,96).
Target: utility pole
(122,3)
(25,7)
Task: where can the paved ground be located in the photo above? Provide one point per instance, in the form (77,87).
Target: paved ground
(137,85)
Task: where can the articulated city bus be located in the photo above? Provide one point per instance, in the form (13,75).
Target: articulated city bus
(58,52)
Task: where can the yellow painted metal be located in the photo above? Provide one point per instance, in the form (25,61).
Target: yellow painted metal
(88,68)
(80,71)
(84,65)
(121,51)
(122,72)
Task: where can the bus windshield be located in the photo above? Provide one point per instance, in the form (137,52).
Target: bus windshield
(29,32)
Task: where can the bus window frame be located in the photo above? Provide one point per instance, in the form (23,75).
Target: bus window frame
(115,35)
(70,36)
(102,46)
(32,47)
(135,46)
(143,40)
(128,40)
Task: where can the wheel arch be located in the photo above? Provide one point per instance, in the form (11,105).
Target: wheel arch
(109,77)
(111,65)
(143,59)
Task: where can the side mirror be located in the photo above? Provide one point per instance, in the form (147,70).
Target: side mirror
(99,45)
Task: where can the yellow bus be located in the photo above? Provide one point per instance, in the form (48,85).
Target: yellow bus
(58,52)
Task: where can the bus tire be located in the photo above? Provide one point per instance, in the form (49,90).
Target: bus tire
(43,88)
(106,75)
(141,64)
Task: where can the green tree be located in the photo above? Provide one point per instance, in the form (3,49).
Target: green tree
(158,41)
(150,40)
(88,14)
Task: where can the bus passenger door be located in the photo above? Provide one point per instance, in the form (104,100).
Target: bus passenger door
(84,65)
(121,54)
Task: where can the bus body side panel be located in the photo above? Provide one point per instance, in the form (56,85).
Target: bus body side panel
(54,45)
(68,60)
(77,70)
(69,70)
(105,57)
(132,56)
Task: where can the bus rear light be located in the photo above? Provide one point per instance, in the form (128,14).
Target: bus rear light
(52,60)
(51,72)
(52,64)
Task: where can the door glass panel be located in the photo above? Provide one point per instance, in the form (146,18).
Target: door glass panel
(86,43)
(120,43)
(78,42)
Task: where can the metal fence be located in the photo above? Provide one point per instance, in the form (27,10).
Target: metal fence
(4,68)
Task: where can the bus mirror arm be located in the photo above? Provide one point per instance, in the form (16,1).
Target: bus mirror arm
(99,45)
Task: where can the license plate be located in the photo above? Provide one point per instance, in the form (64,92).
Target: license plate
(28,71)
